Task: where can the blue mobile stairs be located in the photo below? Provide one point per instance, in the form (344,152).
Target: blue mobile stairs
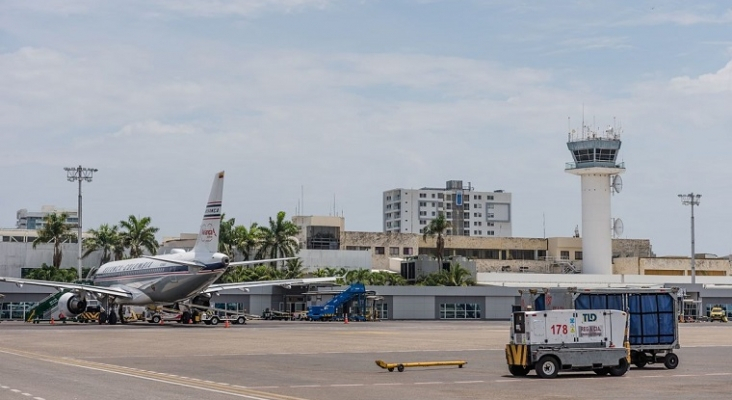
(333,309)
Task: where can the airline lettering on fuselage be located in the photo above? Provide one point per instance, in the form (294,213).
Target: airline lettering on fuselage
(129,267)
(207,233)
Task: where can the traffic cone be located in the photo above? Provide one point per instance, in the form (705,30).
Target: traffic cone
(52,323)
(161,320)
(346,319)
(226,324)
(190,320)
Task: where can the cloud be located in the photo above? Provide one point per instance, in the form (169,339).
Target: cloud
(216,8)
(717,82)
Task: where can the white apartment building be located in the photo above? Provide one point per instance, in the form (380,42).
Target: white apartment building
(34,219)
(471,213)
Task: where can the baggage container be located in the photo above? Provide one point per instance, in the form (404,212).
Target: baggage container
(653,313)
(568,340)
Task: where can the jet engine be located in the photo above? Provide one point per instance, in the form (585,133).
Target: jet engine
(71,304)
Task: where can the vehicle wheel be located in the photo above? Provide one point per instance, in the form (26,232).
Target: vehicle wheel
(400,368)
(155,319)
(241,320)
(185,317)
(602,371)
(390,369)
(214,320)
(102,318)
(620,369)
(547,367)
(671,360)
(518,370)
(641,359)
(112,320)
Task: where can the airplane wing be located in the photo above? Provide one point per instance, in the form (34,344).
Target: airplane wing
(281,282)
(250,262)
(73,286)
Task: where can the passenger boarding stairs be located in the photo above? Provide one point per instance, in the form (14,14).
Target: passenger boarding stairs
(45,308)
(328,310)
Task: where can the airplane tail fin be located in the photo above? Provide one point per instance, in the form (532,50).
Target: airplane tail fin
(208,235)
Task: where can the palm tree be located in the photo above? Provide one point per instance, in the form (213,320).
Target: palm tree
(278,240)
(246,240)
(54,230)
(139,235)
(293,269)
(437,227)
(358,275)
(106,238)
(457,275)
(227,236)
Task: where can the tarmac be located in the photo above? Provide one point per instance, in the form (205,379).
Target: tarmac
(296,360)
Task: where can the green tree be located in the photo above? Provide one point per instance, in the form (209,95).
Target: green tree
(139,235)
(293,269)
(51,273)
(54,230)
(247,240)
(227,236)
(362,275)
(106,238)
(278,240)
(437,227)
(456,275)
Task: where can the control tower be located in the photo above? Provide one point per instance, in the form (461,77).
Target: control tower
(594,155)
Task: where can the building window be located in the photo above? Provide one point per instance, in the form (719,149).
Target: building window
(423,213)
(379,250)
(490,233)
(422,195)
(393,251)
(433,195)
(460,311)
(564,255)
(577,255)
(449,215)
(489,197)
(466,215)
(433,213)
(408,251)
(423,204)
(490,224)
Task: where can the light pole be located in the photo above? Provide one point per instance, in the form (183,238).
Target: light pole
(79,174)
(692,200)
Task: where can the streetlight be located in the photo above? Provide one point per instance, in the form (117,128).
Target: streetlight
(79,174)
(692,200)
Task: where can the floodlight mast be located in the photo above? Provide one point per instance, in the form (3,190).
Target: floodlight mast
(79,174)
(692,200)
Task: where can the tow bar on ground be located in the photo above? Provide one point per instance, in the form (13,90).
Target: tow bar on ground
(400,366)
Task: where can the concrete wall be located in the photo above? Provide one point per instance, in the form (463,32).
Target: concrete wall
(672,266)
(498,307)
(15,256)
(314,259)
(413,307)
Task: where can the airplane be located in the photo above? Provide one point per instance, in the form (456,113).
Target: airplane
(181,278)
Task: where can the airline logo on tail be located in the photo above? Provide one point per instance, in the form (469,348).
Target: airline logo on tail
(208,233)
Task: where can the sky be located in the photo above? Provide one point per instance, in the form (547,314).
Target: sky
(317,107)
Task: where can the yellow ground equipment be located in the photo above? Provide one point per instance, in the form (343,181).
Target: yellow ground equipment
(400,366)
(717,313)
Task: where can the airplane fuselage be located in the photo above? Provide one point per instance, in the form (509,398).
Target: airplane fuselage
(162,282)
